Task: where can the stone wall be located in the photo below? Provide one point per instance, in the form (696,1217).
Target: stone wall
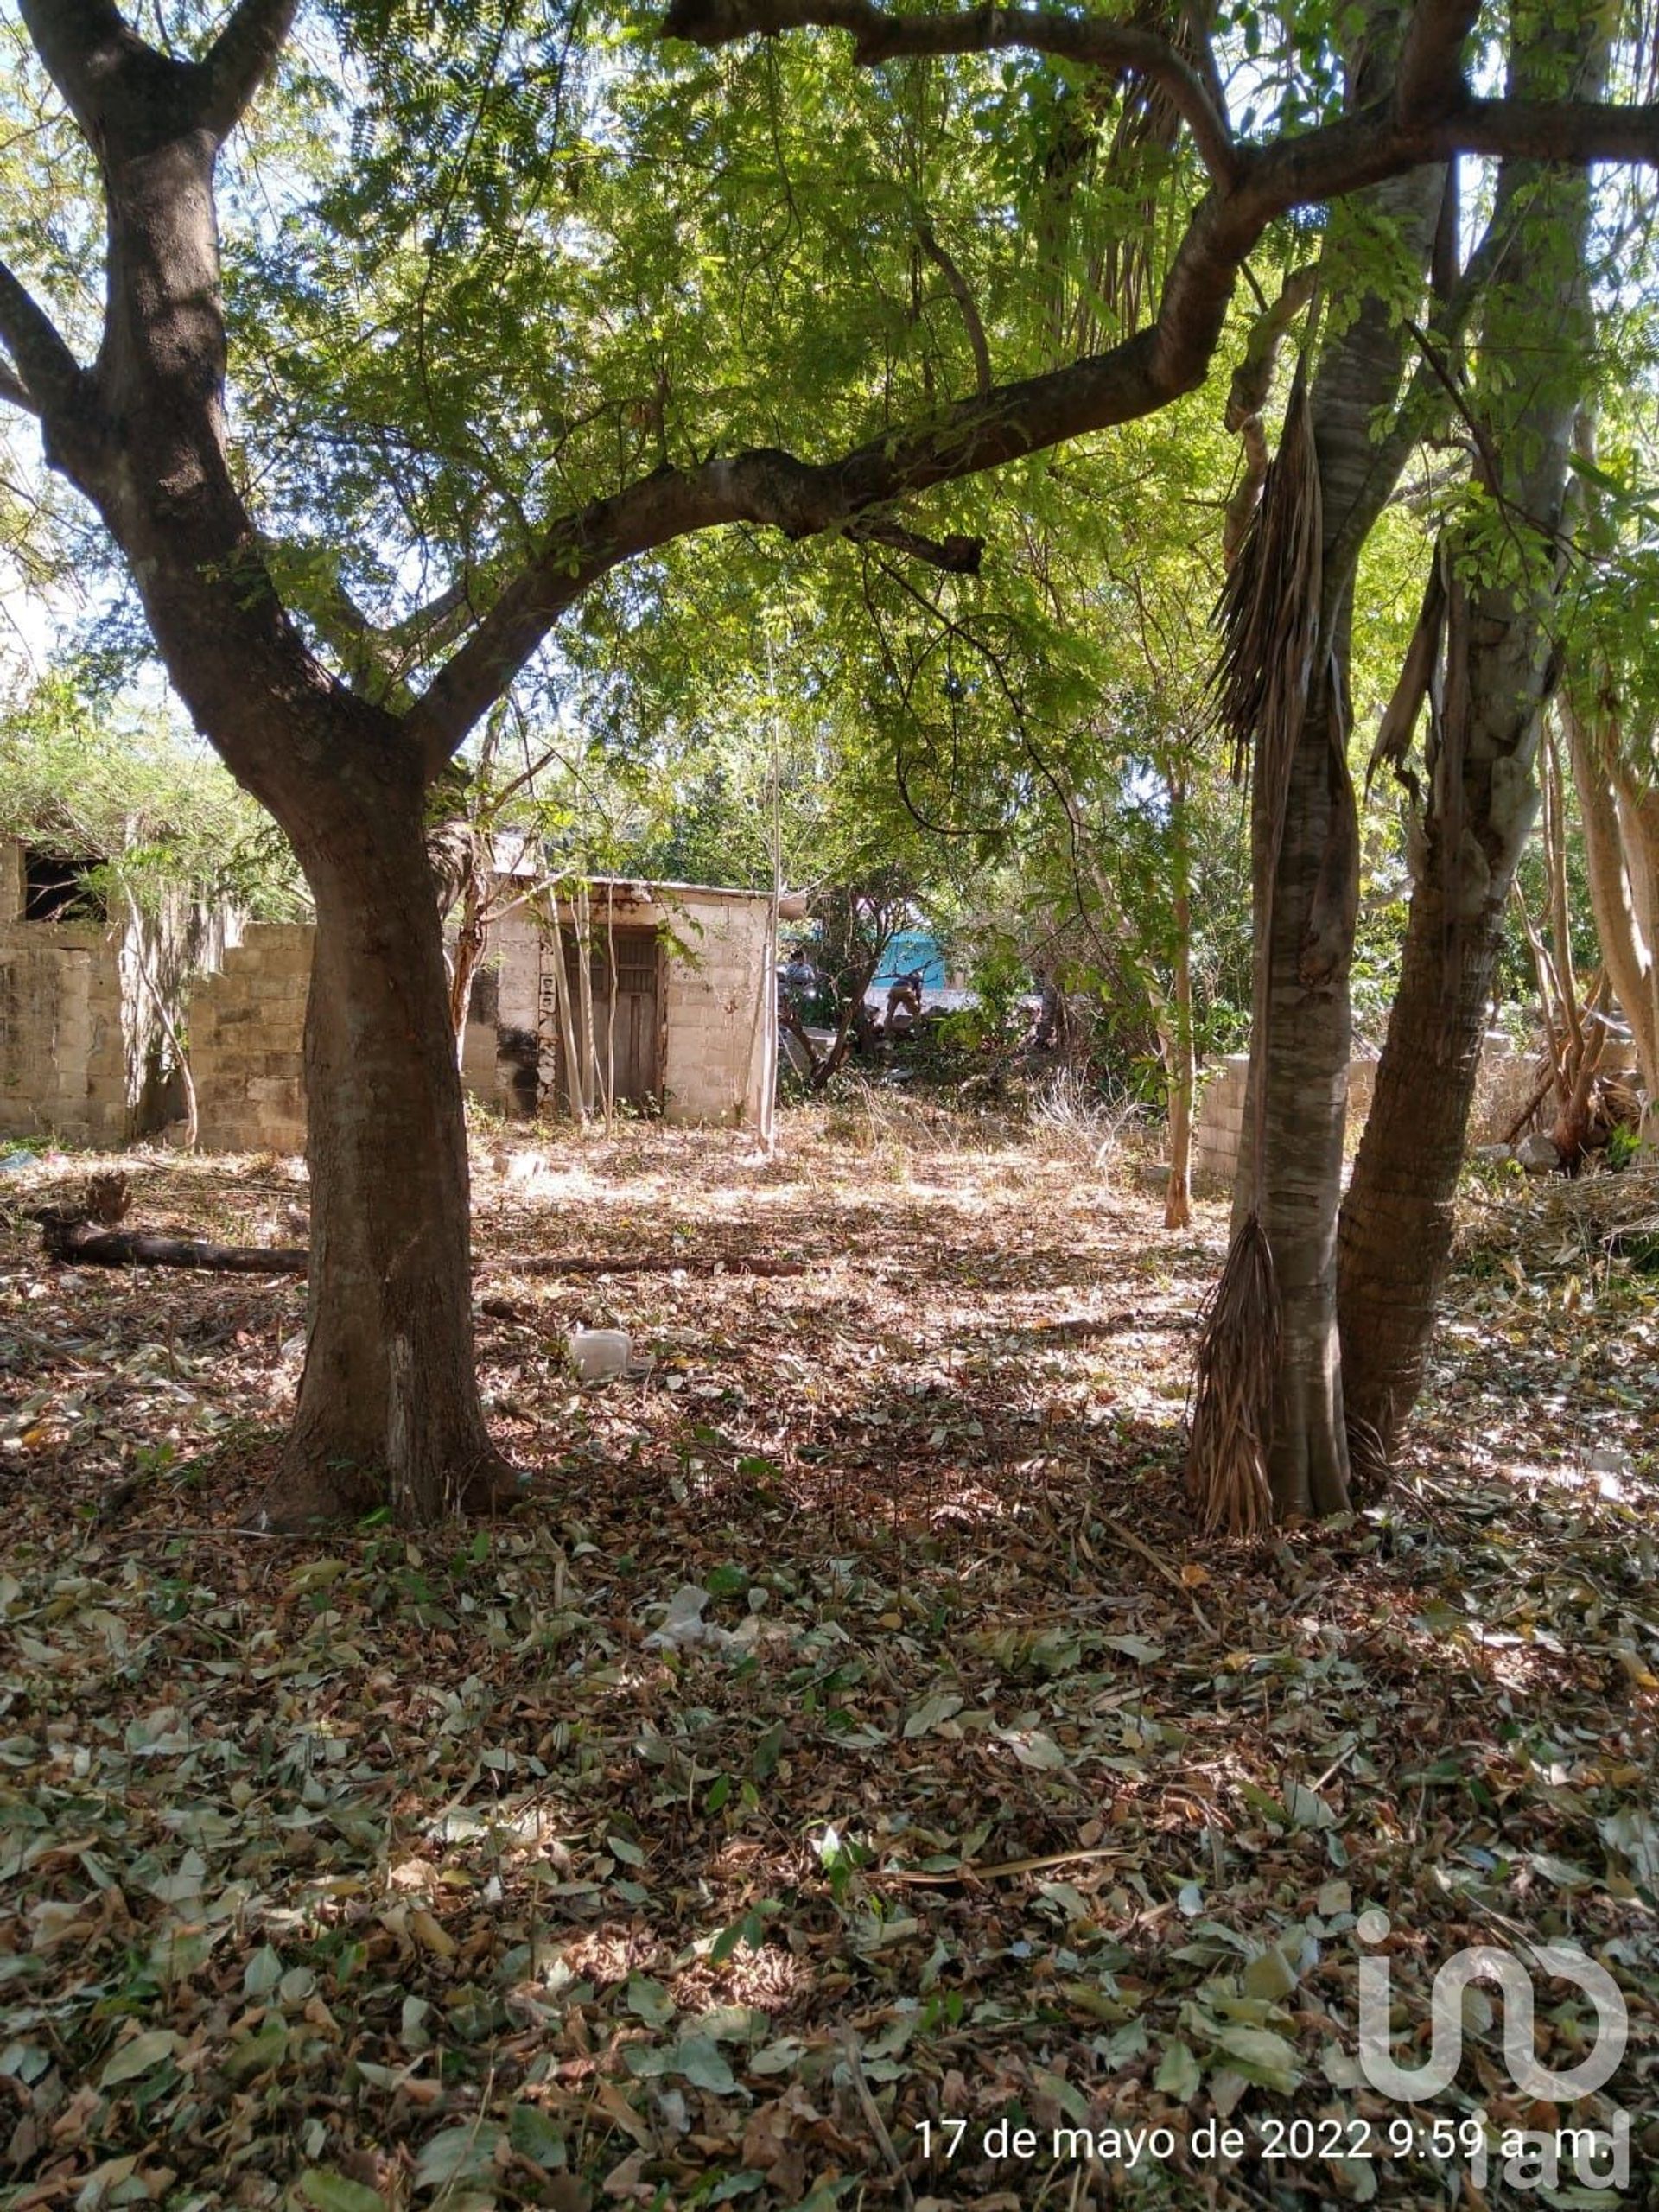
(1219,1125)
(1501,1085)
(247,1031)
(63,1055)
(247,1022)
(720,997)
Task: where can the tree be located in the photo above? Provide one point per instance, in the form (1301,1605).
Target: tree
(388,1403)
(1609,707)
(1485,659)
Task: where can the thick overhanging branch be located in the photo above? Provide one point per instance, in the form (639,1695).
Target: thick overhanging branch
(1431,115)
(1575,131)
(777,491)
(241,59)
(879,36)
(43,374)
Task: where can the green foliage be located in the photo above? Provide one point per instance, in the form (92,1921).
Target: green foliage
(162,813)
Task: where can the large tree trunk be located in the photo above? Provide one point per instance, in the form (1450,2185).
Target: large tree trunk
(388,1408)
(1303,1098)
(1300,1070)
(1478,800)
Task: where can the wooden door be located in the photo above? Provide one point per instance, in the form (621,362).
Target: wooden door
(627,1017)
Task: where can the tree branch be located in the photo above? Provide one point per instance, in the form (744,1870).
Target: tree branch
(1144,373)
(964,299)
(241,59)
(878,36)
(1433,113)
(1575,131)
(78,40)
(118,88)
(45,374)
(956,555)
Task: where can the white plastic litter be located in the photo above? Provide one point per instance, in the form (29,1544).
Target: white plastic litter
(683,1623)
(599,1354)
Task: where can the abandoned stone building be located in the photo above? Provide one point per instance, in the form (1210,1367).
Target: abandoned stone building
(677,1014)
(657,997)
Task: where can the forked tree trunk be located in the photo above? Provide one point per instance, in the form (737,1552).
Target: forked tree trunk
(388,1409)
(1398,1218)
(1479,796)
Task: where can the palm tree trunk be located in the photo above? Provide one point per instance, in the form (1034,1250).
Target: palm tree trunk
(1300,1071)
(1480,798)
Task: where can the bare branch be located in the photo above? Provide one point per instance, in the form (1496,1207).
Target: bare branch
(1432,116)
(43,370)
(13,389)
(119,89)
(80,41)
(956,555)
(878,36)
(1576,131)
(241,59)
(963,296)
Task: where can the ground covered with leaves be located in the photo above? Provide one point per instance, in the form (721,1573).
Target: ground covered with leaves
(846,1781)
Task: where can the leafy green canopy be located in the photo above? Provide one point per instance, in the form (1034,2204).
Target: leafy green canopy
(160,811)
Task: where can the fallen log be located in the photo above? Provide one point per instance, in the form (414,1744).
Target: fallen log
(650,1263)
(80,1242)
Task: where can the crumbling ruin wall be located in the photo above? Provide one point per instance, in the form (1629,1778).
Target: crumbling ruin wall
(714,1002)
(1504,1079)
(63,1057)
(247,1034)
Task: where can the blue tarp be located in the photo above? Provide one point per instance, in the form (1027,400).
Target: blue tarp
(909,951)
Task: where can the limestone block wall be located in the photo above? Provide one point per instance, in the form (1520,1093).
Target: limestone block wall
(63,1055)
(247,1033)
(1220,1125)
(720,998)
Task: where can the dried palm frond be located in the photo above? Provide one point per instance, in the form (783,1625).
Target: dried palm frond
(1370,1469)
(1268,613)
(1233,1386)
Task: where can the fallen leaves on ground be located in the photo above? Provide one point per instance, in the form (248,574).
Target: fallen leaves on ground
(844,1782)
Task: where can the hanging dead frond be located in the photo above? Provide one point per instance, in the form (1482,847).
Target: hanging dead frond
(1371,1471)
(1399,722)
(1233,1390)
(1268,612)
